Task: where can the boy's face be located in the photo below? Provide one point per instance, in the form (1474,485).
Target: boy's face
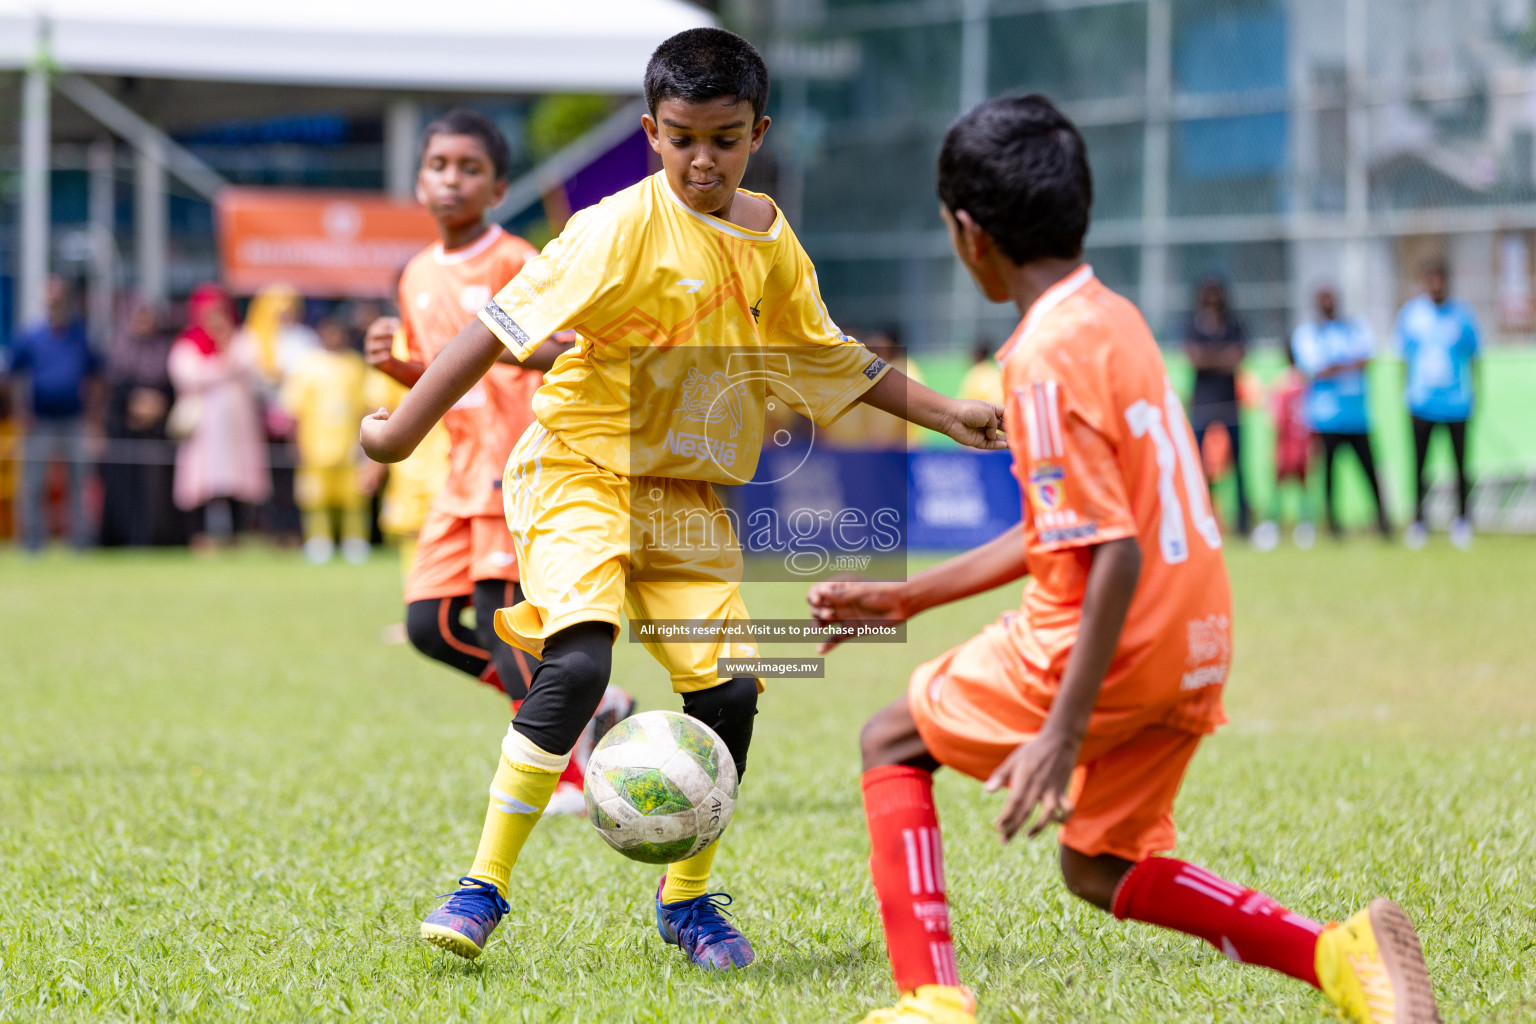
(704,148)
(1436,285)
(457,181)
(333,335)
(977,251)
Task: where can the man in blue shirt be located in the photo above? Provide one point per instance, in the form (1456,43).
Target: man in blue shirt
(54,373)
(1332,353)
(1437,337)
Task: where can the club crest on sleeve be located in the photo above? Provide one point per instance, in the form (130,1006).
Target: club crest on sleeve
(1046,489)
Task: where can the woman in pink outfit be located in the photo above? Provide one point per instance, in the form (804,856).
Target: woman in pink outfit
(223,454)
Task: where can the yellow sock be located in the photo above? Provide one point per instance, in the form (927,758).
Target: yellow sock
(354,522)
(317,524)
(688,879)
(525,780)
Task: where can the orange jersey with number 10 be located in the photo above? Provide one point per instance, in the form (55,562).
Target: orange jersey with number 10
(1102,451)
(440,292)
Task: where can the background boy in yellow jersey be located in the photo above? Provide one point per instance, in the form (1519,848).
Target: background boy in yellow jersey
(693,300)
(409,486)
(983,380)
(325,393)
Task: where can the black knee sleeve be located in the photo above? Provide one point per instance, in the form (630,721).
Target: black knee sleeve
(434,629)
(515,667)
(728,709)
(567,686)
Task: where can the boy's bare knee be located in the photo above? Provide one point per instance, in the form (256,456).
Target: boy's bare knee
(1093,879)
(872,741)
(891,737)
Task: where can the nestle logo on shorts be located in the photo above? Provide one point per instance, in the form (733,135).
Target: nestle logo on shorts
(778,668)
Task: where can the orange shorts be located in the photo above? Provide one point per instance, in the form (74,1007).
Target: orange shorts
(971,711)
(452,552)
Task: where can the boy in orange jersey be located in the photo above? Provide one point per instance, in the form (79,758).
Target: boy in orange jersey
(464,553)
(1089,701)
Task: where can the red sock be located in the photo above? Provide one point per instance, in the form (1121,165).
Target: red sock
(906,862)
(490,677)
(1244,924)
(573,774)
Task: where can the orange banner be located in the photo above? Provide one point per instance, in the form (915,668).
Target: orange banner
(325,244)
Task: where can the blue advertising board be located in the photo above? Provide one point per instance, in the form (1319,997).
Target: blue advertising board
(879,502)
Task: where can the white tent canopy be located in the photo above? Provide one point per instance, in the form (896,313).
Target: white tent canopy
(490,45)
(393,46)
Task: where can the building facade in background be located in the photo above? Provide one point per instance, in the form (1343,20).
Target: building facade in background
(1277,143)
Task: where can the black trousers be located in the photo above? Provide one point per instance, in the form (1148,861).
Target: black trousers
(1423,433)
(1360,444)
(1235,437)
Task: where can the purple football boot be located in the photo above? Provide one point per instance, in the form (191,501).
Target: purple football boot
(700,928)
(464,922)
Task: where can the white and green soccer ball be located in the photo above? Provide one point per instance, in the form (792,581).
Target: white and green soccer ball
(660,787)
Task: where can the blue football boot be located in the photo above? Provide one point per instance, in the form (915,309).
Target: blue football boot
(700,928)
(468,915)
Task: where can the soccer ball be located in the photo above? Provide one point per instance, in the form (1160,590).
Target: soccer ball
(660,787)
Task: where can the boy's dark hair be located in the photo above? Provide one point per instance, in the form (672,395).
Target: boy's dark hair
(707,64)
(1019,167)
(462,121)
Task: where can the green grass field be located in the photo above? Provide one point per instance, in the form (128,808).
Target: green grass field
(223,798)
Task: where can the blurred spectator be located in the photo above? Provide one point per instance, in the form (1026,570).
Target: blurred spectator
(57,403)
(274,328)
(275,339)
(865,428)
(10,453)
(1215,343)
(1332,353)
(223,454)
(984,380)
(136,499)
(1438,338)
(1293,456)
(325,394)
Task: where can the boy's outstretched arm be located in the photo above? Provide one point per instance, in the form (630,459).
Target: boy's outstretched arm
(1038,771)
(972,423)
(1000,560)
(472,352)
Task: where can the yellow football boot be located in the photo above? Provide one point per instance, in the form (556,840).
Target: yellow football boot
(929,1004)
(1372,968)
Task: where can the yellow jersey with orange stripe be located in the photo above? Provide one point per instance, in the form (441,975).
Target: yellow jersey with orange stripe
(687,322)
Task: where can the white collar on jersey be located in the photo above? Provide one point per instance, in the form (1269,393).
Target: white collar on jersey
(470,251)
(726,226)
(1052,297)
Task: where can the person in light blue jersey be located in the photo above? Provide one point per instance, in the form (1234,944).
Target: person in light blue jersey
(1438,339)
(1332,352)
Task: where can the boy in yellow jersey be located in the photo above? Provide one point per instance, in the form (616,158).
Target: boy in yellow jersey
(412,484)
(692,299)
(324,394)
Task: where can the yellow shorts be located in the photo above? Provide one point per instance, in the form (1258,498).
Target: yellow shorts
(317,487)
(593,544)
